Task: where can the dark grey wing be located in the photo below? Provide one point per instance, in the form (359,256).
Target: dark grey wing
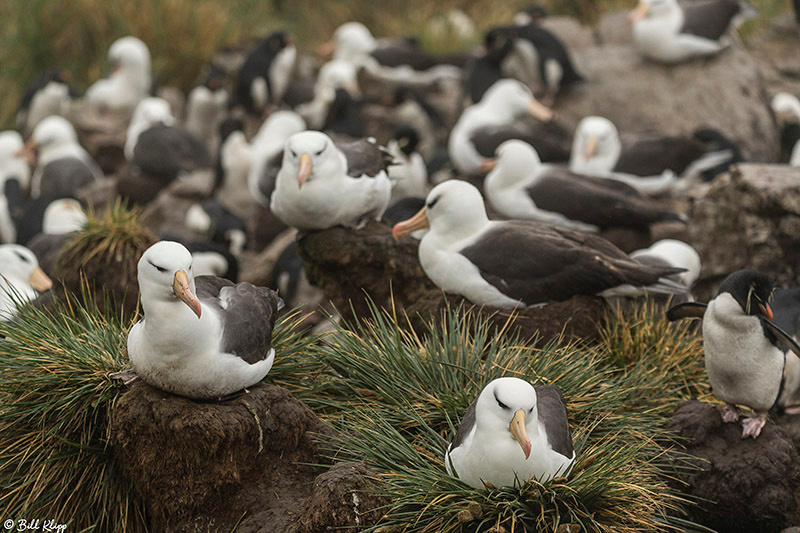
(537,263)
(164,151)
(686,310)
(63,177)
(709,19)
(784,338)
(553,416)
(593,202)
(551,140)
(396,56)
(266,180)
(651,155)
(247,316)
(365,157)
(467,423)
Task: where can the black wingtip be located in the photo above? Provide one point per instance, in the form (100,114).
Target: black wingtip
(686,310)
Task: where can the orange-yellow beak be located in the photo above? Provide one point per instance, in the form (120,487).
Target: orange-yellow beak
(306,169)
(326,49)
(180,286)
(766,310)
(590,148)
(488,165)
(406,227)
(28,152)
(638,13)
(39,280)
(540,111)
(517,429)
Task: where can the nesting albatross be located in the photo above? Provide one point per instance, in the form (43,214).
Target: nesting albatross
(518,263)
(520,186)
(322,184)
(512,431)
(201,337)
(669,32)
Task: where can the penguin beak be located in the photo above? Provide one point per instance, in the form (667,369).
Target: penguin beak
(406,227)
(517,429)
(766,310)
(591,147)
(180,286)
(488,165)
(28,152)
(306,169)
(39,280)
(638,13)
(540,111)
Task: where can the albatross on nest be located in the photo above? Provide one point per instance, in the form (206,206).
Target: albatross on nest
(669,32)
(517,263)
(129,83)
(482,127)
(20,278)
(322,184)
(62,165)
(203,337)
(512,431)
(520,186)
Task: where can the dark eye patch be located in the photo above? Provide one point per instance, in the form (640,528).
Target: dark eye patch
(293,153)
(160,269)
(433,202)
(22,257)
(501,404)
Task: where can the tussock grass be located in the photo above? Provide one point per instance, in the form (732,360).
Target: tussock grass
(398,395)
(56,402)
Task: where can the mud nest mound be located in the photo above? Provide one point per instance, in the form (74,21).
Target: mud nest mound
(739,484)
(253,463)
(354,267)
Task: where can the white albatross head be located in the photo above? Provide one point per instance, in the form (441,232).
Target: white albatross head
(130,54)
(165,276)
(62,216)
(596,146)
(19,267)
(653,9)
(786,107)
(311,155)
(515,160)
(511,98)
(453,209)
(353,42)
(149,112)
(51,135)
(506,408)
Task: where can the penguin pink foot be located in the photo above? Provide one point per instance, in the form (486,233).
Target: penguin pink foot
(751,427)
(729,413)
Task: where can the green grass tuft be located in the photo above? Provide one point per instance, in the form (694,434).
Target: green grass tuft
(398,395)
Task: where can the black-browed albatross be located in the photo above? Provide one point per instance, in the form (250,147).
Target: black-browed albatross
(512,431)
(322,184)
(203,337)
(518,263)
(520,186)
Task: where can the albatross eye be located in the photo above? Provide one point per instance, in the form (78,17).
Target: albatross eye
(433,203)
(293,153)
(160,269)
(501,404)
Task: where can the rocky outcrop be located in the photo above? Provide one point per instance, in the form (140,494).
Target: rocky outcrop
(203,466)
(353,267)
(738,484)
(749,218)
(725,92)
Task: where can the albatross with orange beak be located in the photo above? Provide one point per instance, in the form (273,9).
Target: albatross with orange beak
(322,184)
(512,431)
(20,279)
(203,337)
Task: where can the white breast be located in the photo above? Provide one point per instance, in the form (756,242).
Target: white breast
(742,365)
